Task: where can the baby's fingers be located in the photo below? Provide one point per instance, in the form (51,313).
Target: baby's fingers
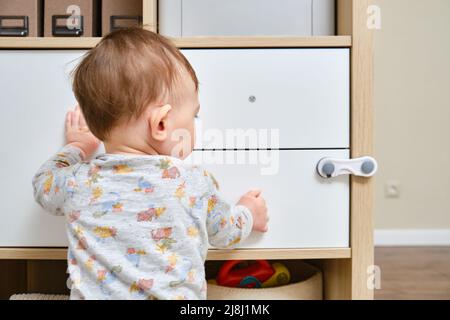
(265,228)
(76,117)
(69,120)
(254,193)
(82,122)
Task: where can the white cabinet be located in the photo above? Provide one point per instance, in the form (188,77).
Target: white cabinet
(303,94)
(246,17)
(295,101)
(35,95)
(306,211)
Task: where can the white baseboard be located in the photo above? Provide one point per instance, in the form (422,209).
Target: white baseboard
(412,237)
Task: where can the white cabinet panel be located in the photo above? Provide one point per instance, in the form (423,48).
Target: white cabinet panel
(306,211)
(323,17)
(246,17)
(35,95)
(184,18)
(299,95)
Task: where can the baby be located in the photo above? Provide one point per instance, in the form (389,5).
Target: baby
(138,217)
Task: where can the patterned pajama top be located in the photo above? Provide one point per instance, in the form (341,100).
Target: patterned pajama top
(138,226)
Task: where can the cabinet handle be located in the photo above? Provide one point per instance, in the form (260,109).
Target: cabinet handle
(333,167)
(114,21)
(14,31)
(64,30)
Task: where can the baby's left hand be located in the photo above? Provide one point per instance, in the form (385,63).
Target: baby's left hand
(78,133)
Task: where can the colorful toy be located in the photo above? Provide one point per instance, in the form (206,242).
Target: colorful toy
(250,276)
(259,274)
(281,276)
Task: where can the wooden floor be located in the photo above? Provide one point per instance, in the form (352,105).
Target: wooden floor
(414,273)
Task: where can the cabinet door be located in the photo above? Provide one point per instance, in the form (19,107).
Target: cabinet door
(36,94)
(306,211)
(272,98)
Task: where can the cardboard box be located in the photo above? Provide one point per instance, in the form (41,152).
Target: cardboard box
(20,18)
(69,18)
(118,14)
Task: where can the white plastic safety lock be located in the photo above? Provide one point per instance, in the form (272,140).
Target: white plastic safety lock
(333,167)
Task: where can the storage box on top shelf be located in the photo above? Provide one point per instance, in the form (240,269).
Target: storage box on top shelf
(20,18)
(118,14)
(70,18)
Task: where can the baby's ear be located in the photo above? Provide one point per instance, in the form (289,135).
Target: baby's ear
(158,122)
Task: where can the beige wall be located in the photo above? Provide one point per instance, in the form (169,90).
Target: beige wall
(412,113)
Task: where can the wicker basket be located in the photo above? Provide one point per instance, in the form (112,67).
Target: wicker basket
(306,285)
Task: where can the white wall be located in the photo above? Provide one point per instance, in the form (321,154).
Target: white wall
(412,114)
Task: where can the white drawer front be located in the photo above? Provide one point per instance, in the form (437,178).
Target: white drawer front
(299,95)
(36,93)
(306,211)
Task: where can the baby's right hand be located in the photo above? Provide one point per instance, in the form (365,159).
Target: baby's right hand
(257,205)
(79,135)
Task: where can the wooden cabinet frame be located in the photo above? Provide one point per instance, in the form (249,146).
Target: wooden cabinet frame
(345,269)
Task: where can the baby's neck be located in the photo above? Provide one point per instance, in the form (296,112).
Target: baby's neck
(112,148)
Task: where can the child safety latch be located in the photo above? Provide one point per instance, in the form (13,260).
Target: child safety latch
(333,167)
